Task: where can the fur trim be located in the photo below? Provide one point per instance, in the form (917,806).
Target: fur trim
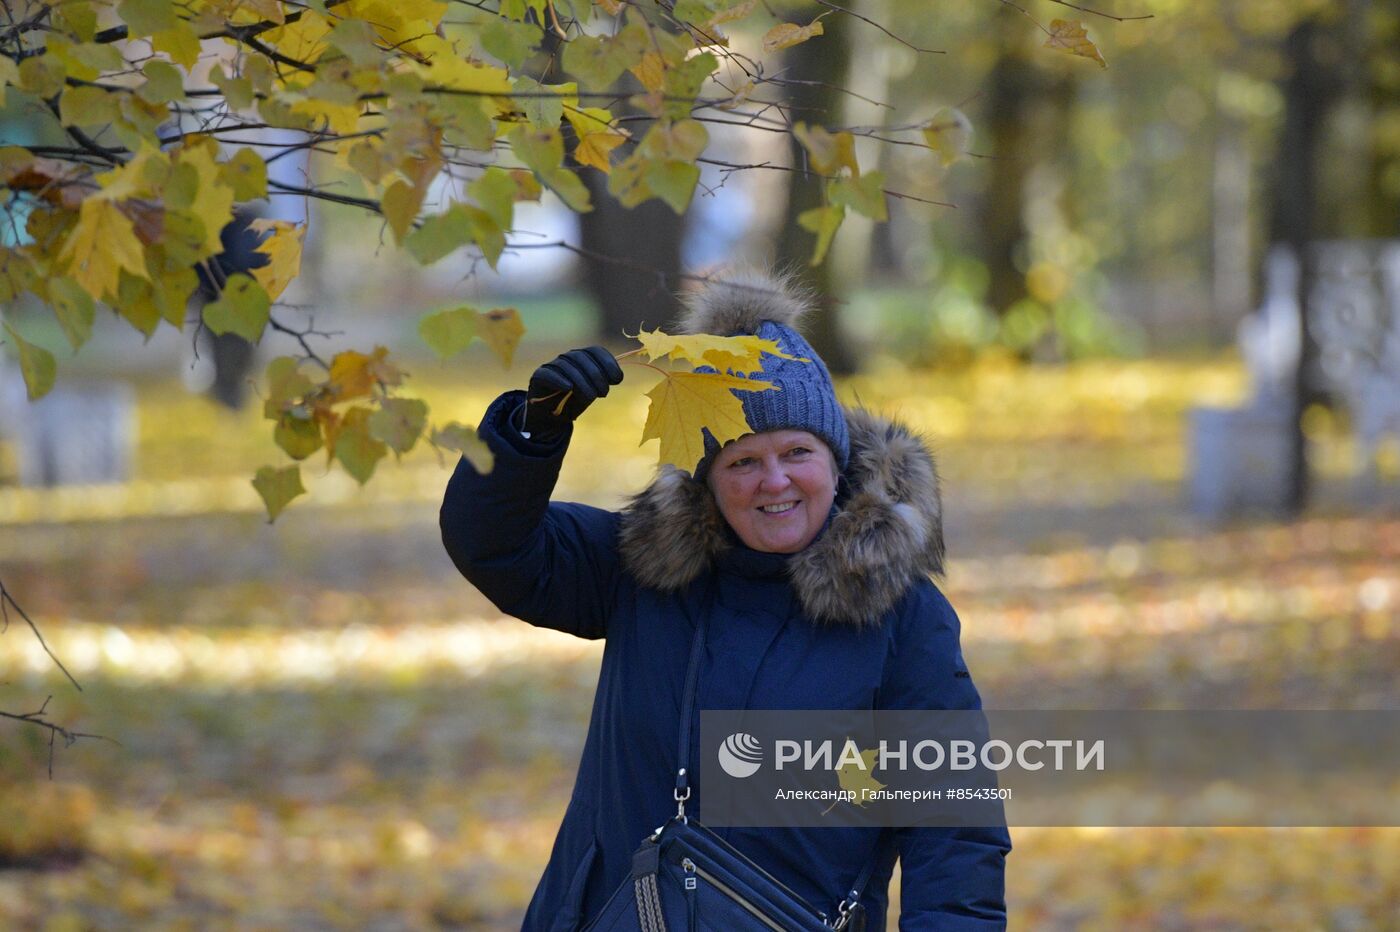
(742,299)
(671,531)
(884,538)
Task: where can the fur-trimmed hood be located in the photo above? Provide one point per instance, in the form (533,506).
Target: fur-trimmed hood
(887,531)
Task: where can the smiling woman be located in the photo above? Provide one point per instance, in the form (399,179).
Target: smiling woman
(789,572)
(775,489)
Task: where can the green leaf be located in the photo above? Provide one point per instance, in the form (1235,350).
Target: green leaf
(399,422)
(242,308)
(464,440)
(16,274)
(599,61)
(543,152)
(36,364)
(508,42)
(355,37)
(246,174)
(285,380)
(466,120)
(297,434)
(86,106)
(449,332)
(147,17)
(823,221)
(439,235)
(238,92)
(674,183)
(543,104)
(136,303)
(683,83)
(74,308)
(9,74)
(164,82)
(357,451)
(277,488)
(570,189)
(42,76)
(865,195)
(495,191)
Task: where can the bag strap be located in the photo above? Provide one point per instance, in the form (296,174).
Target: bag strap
(692,678)
(682,790)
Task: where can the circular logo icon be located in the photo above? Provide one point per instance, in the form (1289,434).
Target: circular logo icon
(740,755)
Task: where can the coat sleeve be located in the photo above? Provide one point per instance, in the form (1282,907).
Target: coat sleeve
(950,878)
(552,564)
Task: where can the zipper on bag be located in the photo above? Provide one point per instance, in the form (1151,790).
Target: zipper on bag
(691,895)
(688,865)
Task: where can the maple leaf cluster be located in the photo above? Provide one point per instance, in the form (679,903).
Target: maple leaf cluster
(686,404)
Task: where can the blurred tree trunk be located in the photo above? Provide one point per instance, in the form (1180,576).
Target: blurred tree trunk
(648,239)
(1309,87)
(1024,120)
(823,66)
(633,270)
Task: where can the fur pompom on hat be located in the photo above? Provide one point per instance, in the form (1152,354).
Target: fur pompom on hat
(747,301)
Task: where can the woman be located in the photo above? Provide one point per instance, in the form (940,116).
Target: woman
(807,544)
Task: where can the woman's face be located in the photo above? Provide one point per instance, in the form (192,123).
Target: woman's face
(775,488)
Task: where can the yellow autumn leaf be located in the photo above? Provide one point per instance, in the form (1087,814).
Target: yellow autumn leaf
(855,779)
(597,136)
(450,69)
(501,330)
(741,354)
(136,178)
(283,251)
(828,151)
(786,35)
(1069,35)
(736,12)
(102,243)
(684,403)
(213,200)
(354,374)
(303,40)
(651,71)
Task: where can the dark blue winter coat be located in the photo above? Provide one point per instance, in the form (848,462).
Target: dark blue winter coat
(852,622)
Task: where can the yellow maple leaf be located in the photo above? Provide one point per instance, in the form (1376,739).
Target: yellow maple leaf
(684,403)
(854,778)
(101,244)
(400,23)
(213,201)
(1069,35)
(134,179)
(597,136)
(785,35)
(451,69)
(742,355)
(303,40)
(283,251)
(354,374)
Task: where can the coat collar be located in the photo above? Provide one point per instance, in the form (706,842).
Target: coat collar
(886,532)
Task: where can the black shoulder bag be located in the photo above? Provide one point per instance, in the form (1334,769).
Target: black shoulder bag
(685,878)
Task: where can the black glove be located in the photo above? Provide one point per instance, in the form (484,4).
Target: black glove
(562,388)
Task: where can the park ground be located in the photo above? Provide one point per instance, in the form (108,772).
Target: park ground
(319,725)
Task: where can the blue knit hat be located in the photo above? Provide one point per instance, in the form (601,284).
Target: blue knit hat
(750,302)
